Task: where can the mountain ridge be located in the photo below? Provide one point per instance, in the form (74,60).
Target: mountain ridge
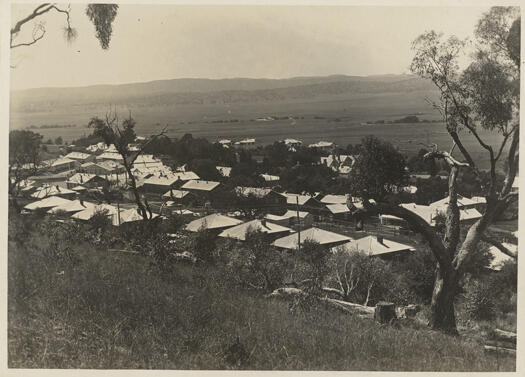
(216,91)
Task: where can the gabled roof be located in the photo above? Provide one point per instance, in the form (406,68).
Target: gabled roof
(239,232)
(334,199)
(270,178)
(292,198)
(178,194)
(88,213)
(81,178)
(499,258)
(321,144)
(469,214)
(245,141)
(338,208)
(49,202)
(323,237)
(73,206)
(213,221)
(289,214)
(146,159)
(79,188)
(225,171)
(161,180)
(109,164)
(443,203)
(200,185)
(131,215)
(427,213)
(51,191)
(292,141)
(186,176)
(110,156)
(372,246)
(61,161)
(77,156)
(479,199)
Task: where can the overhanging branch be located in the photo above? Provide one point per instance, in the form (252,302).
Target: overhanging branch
(500,246)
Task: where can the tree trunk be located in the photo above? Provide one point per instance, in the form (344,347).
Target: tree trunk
(442,314)
(385,312)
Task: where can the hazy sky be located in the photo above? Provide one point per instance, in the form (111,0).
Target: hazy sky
(152,42)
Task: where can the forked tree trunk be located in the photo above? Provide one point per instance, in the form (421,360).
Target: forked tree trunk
(442,314)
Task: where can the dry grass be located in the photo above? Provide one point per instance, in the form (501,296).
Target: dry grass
(118,311)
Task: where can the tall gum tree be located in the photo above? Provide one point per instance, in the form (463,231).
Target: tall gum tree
(483,96)
(122,134)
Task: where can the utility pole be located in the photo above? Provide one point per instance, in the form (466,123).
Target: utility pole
(298,224)
(118,211)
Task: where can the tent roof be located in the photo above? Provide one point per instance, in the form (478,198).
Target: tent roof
(213,221)
(321,236)
(500,258)
(50,191)
(443,203)
(292,198)
(338,208)
(88,213)
(72,206)
(178,194)
(239,232)
(371,246)
(200,185)
(49,202)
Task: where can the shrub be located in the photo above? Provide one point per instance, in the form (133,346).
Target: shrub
(479,300)
(256,263)
(418,271)
(311,266)
(362,279)
(100,220)
(202,245)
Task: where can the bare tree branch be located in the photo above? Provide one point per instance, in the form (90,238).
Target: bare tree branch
(500,246)
(38,11)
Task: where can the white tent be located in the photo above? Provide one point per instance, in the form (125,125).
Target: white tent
(49,202)
(213,221)
(72,206)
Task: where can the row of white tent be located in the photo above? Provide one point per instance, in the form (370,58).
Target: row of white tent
(81,210)
(286,238)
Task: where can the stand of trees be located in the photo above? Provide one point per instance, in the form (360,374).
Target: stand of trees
(484,95)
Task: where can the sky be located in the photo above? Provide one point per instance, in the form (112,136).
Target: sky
(153,42)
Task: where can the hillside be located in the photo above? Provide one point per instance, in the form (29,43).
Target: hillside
(80,306)
(206,91)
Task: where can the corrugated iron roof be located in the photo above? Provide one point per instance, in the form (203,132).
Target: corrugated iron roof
(239,232)
(321,236)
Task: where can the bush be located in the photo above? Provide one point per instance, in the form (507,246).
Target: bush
(100,220)
(311,266)
(202,245)
(362,279)
(418,272)
(256,263)
(479,300)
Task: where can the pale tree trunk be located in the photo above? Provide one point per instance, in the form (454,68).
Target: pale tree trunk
(442,313)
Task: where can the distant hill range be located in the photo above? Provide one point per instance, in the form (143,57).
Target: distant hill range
(220,91)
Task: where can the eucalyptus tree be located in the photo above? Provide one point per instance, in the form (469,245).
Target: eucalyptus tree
(481,99)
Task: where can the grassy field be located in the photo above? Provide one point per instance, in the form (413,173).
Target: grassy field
(335,119)
(112,310)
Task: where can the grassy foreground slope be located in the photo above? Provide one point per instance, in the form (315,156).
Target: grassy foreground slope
(111,310)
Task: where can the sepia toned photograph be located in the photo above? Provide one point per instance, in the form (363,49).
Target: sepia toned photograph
(262,187)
